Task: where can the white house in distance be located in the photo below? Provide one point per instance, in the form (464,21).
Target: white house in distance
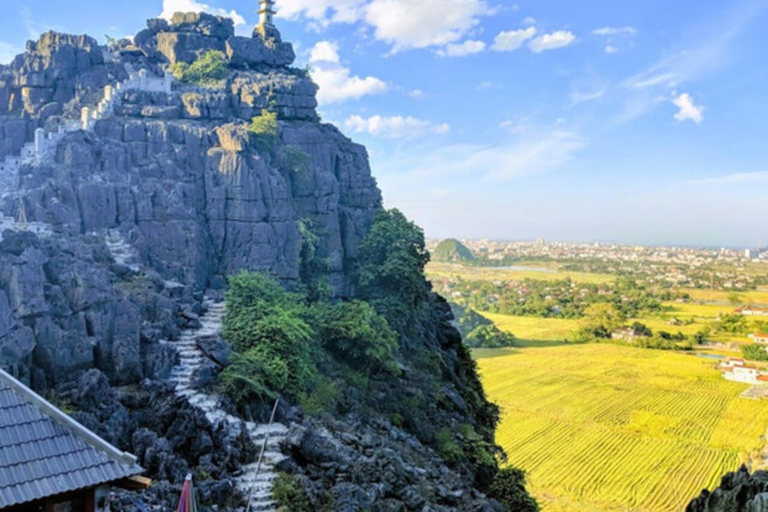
(737,371)
(760,338)
(749,311)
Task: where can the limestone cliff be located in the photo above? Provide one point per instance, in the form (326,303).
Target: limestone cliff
(173,175)
(128,199)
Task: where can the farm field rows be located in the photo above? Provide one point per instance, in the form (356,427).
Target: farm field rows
(608,428)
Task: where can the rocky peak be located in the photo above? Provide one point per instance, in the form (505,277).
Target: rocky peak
(188,35)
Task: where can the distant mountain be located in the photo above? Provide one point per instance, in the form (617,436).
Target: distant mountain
(451,250)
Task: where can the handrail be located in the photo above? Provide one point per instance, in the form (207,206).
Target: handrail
(261,455)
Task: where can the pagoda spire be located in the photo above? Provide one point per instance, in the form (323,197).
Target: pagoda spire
(266,12)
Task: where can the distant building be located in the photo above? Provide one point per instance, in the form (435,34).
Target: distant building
(759,337)
(745,374)
(749,311)
(627,334)
(51,463)
(733,361)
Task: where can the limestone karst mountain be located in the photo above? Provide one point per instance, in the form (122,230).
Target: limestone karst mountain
(128,199)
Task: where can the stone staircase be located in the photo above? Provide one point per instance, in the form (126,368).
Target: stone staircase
(122,252)
(43,148)
(255,483)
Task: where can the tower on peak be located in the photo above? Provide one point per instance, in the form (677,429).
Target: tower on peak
(266,12)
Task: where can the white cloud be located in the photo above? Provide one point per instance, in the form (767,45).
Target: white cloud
(688,111)
(409,24)
(323,12)
(404,24)
(336,82)
(530,154)
(8,52)
(559,39)
(611,49)
(416,94)
(586,96)
(739,178)
(461,50)
(615,31)
(529,21)
(395,127)
(513,39)
(173,6)
(325,51)
(488,84)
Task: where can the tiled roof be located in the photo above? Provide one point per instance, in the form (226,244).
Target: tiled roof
(44,452)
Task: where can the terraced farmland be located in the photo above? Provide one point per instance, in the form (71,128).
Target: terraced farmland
(610,428)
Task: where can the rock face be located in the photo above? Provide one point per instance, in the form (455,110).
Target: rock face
(149,212)
(738,492)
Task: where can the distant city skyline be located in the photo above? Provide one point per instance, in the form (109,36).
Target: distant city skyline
(638,121)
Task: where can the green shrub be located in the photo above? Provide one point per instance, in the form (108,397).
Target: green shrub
(208,69)
(391,277)
(489,336)
(264,130)
(508,487)
(322,400)
(449,449)
(247,379)
(289,494)
(264,324)
(293,160)
(353,332)
(754,352)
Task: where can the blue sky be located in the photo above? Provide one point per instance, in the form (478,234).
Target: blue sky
(641,121)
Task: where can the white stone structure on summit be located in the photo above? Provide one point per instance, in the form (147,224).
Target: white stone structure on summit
(255,483)
(266,13)
(42,149)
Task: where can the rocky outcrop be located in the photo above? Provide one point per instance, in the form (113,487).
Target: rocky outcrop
(738,492)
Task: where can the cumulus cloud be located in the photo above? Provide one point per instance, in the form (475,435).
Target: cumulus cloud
(395,127)
(336,82)
(173,6)
(615,31)
(404,24)
(688,110)
(462,50)
(513,39)
(408,24)
(559,39)
(323,12)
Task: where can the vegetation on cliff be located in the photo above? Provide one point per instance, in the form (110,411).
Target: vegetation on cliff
(390,341)
(210,68)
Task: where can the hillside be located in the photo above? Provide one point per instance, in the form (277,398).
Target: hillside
(451,251)
(129,199)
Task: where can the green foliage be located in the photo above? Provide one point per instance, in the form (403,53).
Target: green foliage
(448,447)
(489,336)
(601,320)
(508,487)
(264,130)
(264,324)
(293,160)
(322,399)
(208,69)
(391,277)
(451,250)
(476,449)
(353,332)
(289,494)
(314,269)
(734,324)
(249,378)
(754,353)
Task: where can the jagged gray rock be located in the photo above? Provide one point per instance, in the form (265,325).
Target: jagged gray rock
(738,492)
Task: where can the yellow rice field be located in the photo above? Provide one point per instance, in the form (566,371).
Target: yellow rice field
(605,428)
(538,271)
